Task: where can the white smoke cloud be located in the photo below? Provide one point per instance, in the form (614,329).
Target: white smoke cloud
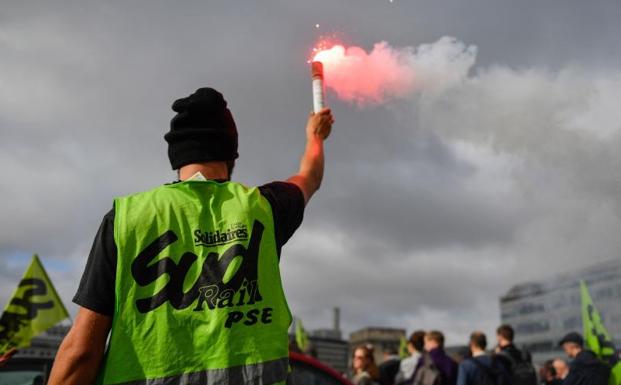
(441,65)
(387,73)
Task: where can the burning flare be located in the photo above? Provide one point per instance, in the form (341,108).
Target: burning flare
(388,73)
(366,78)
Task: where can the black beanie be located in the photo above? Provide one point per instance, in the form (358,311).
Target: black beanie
(203,130)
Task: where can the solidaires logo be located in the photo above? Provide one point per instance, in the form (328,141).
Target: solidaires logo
(235,232)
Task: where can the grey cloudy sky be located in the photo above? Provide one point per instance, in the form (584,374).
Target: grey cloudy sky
(433,205)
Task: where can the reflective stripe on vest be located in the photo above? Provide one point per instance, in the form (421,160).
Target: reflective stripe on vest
(199,299)
(271,372)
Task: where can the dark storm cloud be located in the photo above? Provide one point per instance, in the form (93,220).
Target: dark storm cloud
(397,185)
(417,222)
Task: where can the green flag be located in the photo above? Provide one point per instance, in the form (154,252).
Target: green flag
(301,338)
(403,348)
(597,337)
(34,308)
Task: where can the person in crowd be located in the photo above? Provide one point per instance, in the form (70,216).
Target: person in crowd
(548,374)
(416,346)
(434,345)
(365,371)
(585,368)
(461,353)
(389,367)
(518,363)
(561,368)
(481,368)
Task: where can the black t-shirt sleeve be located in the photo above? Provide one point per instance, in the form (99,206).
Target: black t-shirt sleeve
(96,290)
(287,203)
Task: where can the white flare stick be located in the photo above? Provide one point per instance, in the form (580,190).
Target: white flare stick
(319,93)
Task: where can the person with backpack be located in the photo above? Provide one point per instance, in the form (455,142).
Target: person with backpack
(435,367)
(518,363)
(407,367)
(481,368)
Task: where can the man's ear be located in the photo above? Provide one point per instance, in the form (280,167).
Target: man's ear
(230,165)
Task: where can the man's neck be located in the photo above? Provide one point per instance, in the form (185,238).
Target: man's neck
(210,170)
(576,352)
(477,352)
(435,349)
(503,344)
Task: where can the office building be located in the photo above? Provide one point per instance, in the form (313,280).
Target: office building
(543,312)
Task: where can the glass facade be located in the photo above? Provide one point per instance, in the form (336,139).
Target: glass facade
(543,312)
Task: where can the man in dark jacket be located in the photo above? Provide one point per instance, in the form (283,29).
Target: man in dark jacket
(389,368)
(481,368)
(434,345)
(585,368)
(517,363)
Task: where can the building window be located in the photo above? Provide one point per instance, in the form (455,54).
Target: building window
(529,308)
(572,323)
(540,347)
(532,327)
(606,292)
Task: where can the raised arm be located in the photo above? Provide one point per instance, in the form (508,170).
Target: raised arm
(80,354)
(309,177)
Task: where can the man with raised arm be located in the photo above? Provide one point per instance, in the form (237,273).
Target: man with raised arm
(184,278)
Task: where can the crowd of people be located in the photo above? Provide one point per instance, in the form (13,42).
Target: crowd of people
(505,364)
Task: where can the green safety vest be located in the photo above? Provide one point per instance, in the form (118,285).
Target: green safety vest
(198,294)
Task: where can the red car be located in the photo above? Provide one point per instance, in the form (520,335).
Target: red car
(306,370)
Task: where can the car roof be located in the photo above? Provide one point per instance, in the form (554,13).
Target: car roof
(293,356)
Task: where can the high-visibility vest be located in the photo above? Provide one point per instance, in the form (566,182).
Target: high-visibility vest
(198,294)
